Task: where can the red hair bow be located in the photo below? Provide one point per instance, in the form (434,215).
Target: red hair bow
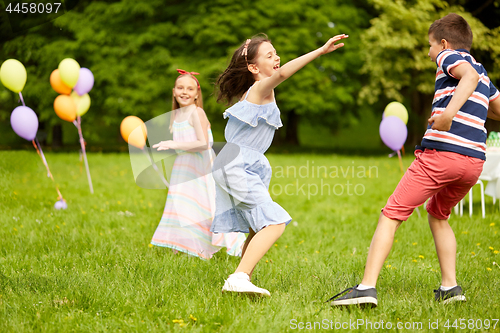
(183,72)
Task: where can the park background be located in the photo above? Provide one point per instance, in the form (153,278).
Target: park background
(134,48)
(89,268)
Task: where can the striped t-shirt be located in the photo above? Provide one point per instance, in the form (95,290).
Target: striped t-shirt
(467,135)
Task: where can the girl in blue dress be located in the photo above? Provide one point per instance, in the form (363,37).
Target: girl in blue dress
(241,171)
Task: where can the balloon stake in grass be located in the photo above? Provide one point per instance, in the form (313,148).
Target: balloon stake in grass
(134,132)
(78,125)
(66,109)
(70,108)
(24,120)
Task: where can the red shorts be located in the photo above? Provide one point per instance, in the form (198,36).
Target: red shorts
(442,176)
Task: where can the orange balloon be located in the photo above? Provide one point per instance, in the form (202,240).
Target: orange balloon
(65,108)
(57,84)
(133,130)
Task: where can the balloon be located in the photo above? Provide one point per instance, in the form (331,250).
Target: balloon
(85,82)
(57,84)
(134,131)
(24,122)
(69,70)
(396,109)
(82,103)
(393,132)
(65,108)
(60,204)
(13,75)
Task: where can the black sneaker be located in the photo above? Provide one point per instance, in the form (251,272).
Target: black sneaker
(355,296)
(449,296)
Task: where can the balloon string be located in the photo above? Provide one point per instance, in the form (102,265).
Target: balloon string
(401,163)
(42,156)
(78,125)
(156,168)
(38,148)
(22,100)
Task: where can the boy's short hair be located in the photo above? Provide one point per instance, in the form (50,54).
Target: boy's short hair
(455,29)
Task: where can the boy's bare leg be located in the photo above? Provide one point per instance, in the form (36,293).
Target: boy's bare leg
(446,248)
(258,245)
(379,249)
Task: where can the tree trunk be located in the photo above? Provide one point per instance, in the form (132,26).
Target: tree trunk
(421,105)
(492,125)
(41,134)
(57,136)
(292,128)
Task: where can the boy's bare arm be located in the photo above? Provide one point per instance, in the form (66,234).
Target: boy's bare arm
(494,109)
(468,82)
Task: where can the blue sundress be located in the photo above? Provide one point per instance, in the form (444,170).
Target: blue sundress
(242,173)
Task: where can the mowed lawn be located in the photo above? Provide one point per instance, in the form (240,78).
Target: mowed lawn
(90,268)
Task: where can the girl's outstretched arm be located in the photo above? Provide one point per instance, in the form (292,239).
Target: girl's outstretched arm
(201,125)
(267,85)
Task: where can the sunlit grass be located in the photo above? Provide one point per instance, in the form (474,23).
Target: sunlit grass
(89,268)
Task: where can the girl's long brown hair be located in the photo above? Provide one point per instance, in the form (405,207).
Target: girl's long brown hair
(236,79)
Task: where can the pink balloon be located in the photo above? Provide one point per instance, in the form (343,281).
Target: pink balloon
(24,122)
(85,82)
(393,132)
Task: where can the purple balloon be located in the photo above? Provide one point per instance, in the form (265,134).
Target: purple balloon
(24,122)
(393,132)
(85,82)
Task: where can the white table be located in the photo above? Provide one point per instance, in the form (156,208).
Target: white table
(491,174)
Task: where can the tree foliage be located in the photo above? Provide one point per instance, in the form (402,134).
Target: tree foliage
(133,49)
(396,53)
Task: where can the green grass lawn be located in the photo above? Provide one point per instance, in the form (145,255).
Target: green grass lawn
(90,268)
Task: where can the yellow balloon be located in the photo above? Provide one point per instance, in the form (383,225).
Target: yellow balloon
(396,109)
(13,75)
(69,70)
(82,103)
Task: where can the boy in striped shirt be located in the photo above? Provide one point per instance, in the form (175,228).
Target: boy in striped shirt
(447,164)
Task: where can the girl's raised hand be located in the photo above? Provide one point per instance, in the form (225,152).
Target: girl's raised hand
(330,45)
(266,86)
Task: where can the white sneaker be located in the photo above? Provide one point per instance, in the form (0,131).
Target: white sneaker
(240,283)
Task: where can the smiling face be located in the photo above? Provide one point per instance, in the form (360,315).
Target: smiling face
(266,62)
(434,48)
(185,90)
